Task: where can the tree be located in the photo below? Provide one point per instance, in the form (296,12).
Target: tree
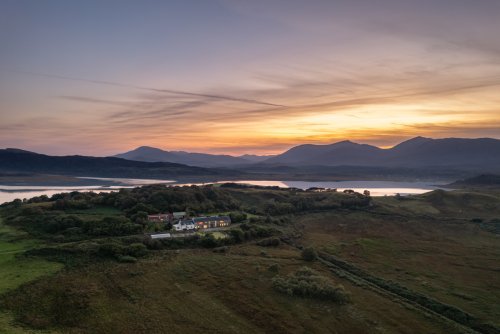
(309,254)
(140,217)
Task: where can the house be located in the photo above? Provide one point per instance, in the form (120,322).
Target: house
(184,225)
(211,222)
(160,217)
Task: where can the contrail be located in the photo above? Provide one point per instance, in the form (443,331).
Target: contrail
(170,91)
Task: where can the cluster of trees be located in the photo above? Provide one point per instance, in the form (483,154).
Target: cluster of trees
(65,215)
(137,203)
(246,232)
(61,227)
(306,282)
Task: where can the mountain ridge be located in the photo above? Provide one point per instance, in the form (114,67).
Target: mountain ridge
(415,152)
(153,154)
(14,160)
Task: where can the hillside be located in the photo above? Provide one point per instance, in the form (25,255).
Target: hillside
(422,264)
(13,160)
(480,181)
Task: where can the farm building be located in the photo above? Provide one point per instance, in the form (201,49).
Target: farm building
(184,225)
(179,215)
(211,222)
(167,217)
(160,217)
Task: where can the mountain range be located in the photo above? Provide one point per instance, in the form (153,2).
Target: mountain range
(152,154)
(16,160)
(418,157)
(418,152)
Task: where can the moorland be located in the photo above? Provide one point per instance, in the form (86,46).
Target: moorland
(292,261)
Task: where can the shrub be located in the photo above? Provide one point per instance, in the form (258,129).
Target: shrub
(309,254)
(237,217)
(274,268)
(237,234)
(308,283)
(269,242)
(137,249)
(127,259)
(208,241)
(222,249)
(111,249)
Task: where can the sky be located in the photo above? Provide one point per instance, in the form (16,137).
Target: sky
(100,77)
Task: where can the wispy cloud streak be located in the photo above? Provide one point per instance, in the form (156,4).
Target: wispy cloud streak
(168,91)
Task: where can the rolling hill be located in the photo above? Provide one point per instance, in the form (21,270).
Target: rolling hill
(15,160)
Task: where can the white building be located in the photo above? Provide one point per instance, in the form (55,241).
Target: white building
(184,225)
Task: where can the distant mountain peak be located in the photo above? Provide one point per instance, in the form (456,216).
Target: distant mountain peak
(17,150)
(413,142)
(419,139)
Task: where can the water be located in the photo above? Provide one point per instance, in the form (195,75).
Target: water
(376,188)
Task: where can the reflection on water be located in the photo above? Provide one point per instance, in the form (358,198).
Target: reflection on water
(136,182)
(9,196)
(376,188)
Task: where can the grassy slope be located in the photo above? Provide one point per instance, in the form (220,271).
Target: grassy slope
(198,291)
(443,256)
(17,270)
(427,244)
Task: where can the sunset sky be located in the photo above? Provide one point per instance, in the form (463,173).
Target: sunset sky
(229,76)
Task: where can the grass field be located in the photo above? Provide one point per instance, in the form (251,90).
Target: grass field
(196,290)
(16,269)
(444,256)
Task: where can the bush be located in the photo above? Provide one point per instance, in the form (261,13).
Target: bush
(309,254)
(308,283)
(127,259)
(223,249)
(111,249)
(208,241)
(237,217)
(269,242)
(274,268)
(237,234)
(137,249)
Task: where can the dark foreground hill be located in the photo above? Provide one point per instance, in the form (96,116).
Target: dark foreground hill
(15,160)
(480,181)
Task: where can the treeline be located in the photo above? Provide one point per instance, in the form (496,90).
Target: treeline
(204,199)
(61,227)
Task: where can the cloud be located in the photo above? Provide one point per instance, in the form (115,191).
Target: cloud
(167,91)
